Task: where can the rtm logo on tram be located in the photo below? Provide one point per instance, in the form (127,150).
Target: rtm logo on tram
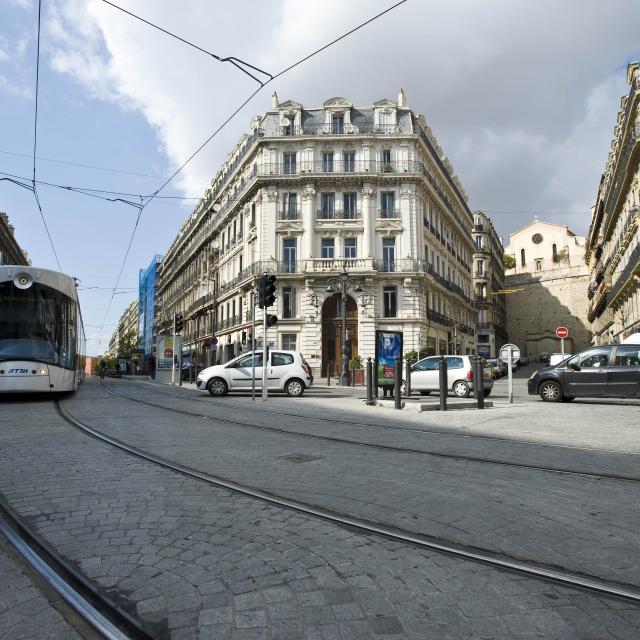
(18,370)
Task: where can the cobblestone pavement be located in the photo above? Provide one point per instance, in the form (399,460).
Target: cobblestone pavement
(25,613)
(591,525)
(201,562)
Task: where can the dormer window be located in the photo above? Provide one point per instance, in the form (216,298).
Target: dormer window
(337,124)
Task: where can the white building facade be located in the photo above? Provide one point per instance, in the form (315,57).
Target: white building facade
(311,194)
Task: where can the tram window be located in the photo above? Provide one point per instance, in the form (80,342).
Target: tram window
(38,324)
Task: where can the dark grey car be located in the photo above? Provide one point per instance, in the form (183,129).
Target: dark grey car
(604,371)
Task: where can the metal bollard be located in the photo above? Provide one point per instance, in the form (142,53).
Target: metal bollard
(328,374)
(353,377)
(369,381)
(407,377)
(478,382)
(444,385)
(397,373)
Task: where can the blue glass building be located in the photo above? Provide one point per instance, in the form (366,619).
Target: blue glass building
(146,310)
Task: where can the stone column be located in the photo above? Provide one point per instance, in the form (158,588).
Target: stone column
(368,218)
(308,221)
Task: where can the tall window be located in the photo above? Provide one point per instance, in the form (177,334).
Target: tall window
(387,204)
(349,201)
(290,206)
(288,302)
(554,248)
(337,124)
(523,262)
(478,242)
(386,159)
(327,161)
(289,162)
(480,267)
(328,205)
(385,121)
(388,254)
(350,248)
(538,264)
(390,302)
(349,161)
(289,251)
(328,248)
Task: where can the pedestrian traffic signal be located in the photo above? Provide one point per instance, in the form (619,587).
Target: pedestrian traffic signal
(178,323)
(272,321)
(266,291)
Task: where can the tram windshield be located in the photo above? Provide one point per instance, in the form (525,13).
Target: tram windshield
(37,324)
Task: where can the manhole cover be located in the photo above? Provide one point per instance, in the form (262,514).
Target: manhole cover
(299,457)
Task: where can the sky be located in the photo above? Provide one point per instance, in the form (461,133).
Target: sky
(521,95)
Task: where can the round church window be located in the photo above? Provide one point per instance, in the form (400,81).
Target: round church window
(537,238)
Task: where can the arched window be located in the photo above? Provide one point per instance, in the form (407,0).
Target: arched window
(554,248)
(522,258)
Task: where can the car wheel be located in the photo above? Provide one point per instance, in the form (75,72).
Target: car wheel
(425,393)
(461,389)
(294,388)
(217,387)
(487,393)
(550,391)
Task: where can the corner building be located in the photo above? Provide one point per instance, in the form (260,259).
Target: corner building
(309,194)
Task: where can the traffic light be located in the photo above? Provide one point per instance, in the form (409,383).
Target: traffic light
(272,321)
(178,323)
(266,291)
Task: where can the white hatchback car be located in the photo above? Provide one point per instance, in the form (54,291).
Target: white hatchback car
(286,371)
(425,375)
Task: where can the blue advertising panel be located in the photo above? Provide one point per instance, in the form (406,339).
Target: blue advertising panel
(388,347)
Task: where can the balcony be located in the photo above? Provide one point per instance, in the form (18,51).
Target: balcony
(331,214)
(439,318)
(386,213)
(481,275)
(289,213)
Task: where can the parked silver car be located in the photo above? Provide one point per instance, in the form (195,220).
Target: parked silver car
(425,375)
(286,371)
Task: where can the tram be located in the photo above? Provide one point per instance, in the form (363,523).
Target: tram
(42,341)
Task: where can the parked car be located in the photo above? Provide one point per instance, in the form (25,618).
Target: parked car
(425,375)
(544,358)
(524,361)
(497,367)
(604,371)
(286,371)
(557,358)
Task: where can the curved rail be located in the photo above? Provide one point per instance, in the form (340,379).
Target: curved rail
(566,578)
(387,447)
(96,609)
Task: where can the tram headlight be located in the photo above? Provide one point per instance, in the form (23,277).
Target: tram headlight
(22,280)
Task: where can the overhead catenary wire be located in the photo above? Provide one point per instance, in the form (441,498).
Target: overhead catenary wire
(236,62)
(35,138)
(224,124)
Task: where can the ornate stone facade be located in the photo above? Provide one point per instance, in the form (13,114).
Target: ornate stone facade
(613,250)
(488,284)
(311,193)
(10,251)
(549,284)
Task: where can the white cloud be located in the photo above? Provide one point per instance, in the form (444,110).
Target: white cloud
(522,96)
(10,89)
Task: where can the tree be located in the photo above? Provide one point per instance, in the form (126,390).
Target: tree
(509,261)
(127,342)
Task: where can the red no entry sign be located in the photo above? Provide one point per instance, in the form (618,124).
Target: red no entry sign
(562,332)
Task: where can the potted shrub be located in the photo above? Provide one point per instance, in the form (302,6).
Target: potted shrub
(355,364)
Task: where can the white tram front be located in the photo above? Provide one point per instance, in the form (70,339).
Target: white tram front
(42,342)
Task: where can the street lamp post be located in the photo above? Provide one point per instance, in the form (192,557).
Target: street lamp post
(342,283)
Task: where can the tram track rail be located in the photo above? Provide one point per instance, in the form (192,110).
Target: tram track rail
(464,436)
(397,449)
(512,564)
(95,608)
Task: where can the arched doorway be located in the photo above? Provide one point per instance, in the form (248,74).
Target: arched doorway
(332,332)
